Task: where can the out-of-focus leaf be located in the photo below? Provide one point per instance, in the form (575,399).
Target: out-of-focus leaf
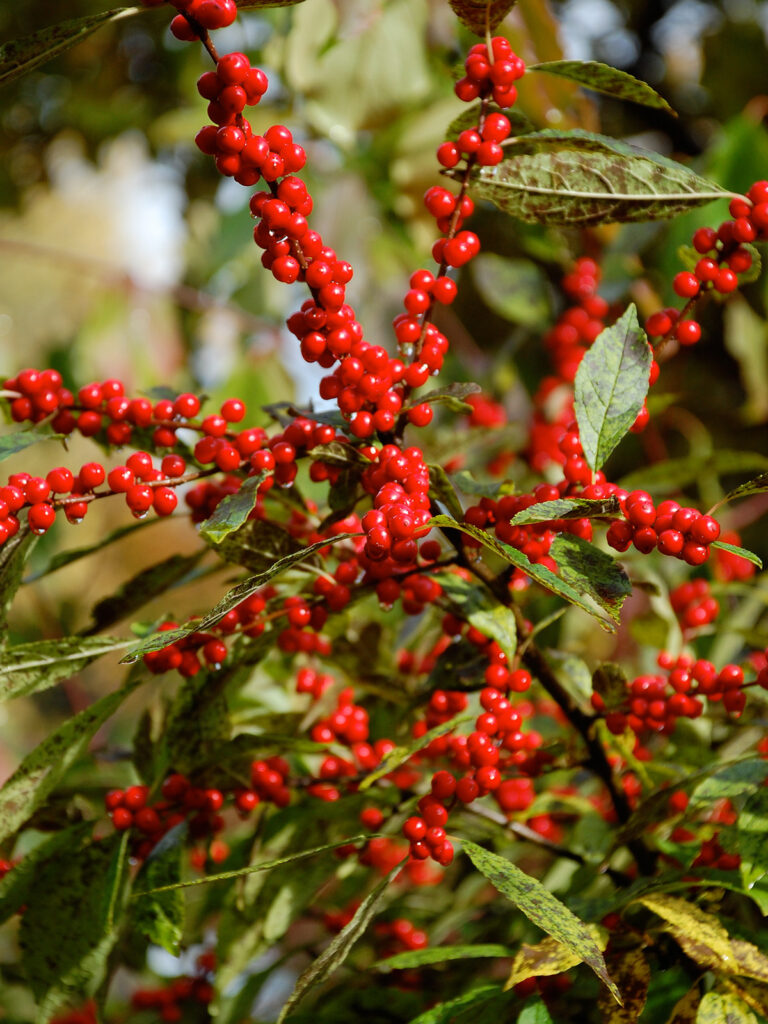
(30,668)
(13,557)
(481,16)
(751,831)
(724,1008)
(337,952)
(161,917)
(143,587)
(516,289)
(746,339)
(440,955)
(65,963)
(20,56)
(610,682)
(41,770)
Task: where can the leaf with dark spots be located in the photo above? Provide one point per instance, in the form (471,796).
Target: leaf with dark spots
(542,908)
(578,178)
(591,74)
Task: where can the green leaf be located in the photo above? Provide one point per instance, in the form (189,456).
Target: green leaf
(603,78)
(65,963)
(724,1008)
(141,588)
(469,1008)
(266,865)
(485,613)
(338,950)
(579,178)
(13,557)
(233,511)
(734,780)
(541,907)
(24,55)
(399,755)
(16,886)
(751,830)
(30,668)
(336,453)
(481,16)
(10,444)
(757,485)
(745,335)
(161,917)
(41,770)
(610,386)
(515,289)
(466,483)
(567,508)
(670,475)
(157,641)
(741,552)
(440,955)
(535,1013)
(591,571)
(539,573)
(197,722)
(452,395)
(443,490)
(257,545)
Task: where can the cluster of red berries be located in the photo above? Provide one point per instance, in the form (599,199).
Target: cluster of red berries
(491,74)
(182,801)
(185,655)
(200,14)
(171,1001)
(144,485)
(675,530)
(399,482)
(82,1015)
(230,140)
(723,255)
(694,604)
(655,702)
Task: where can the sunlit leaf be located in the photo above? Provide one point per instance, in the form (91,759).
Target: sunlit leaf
(603,78)
(610,386)
(580,178)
